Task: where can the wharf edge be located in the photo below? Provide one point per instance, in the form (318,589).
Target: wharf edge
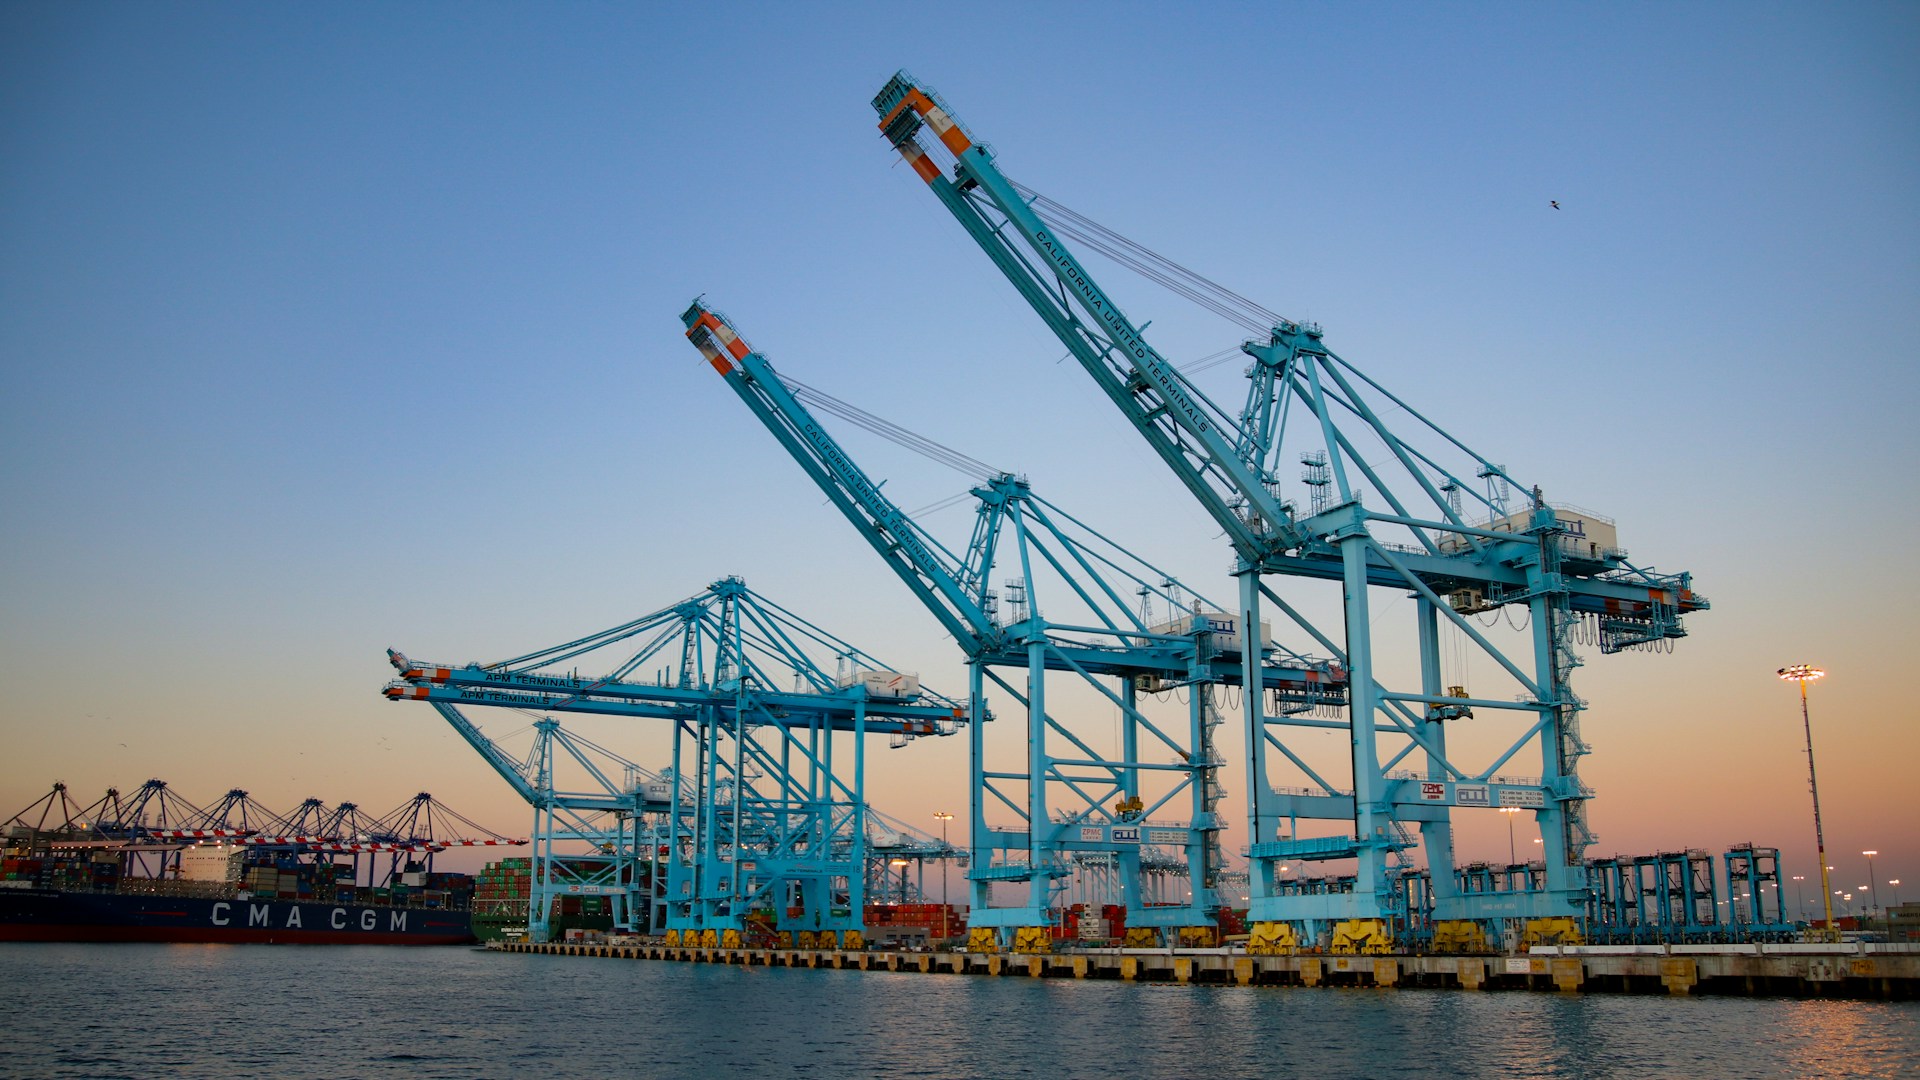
(1752,971)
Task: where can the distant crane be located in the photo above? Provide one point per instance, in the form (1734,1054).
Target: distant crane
(1383,510)
(763,814)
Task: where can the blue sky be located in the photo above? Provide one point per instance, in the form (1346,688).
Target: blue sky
(329,328)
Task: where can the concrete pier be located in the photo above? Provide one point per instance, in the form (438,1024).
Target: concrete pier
(1888,972)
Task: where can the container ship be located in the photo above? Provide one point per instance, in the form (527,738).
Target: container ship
(70,897)
(122,872)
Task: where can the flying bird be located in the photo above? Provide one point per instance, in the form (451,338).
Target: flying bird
(1555,203)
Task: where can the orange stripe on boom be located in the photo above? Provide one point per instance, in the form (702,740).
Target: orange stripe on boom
(719,330)
(936,117)
(941,123)
(888,119)
(956,140)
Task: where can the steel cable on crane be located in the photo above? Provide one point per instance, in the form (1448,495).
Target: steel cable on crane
(1151,264)
(942,504)
(892,432)
(1157,268)
(1211,360)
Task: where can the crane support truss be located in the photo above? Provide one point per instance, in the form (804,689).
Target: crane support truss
(596,834)
(761,815)
(1141,801)
(1382,511)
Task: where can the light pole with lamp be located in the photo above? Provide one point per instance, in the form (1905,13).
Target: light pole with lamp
(1510,811)
(946,856)
(1895,882)
(1804,674)
(1799,897)
(1873,883)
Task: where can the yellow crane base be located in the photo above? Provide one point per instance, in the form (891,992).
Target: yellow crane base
(1033,939)
(1199,937)
(1460,936)
(1273,939)
(1361,937)
(1558,930)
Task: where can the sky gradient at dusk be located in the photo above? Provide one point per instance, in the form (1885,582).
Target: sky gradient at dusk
(329,329)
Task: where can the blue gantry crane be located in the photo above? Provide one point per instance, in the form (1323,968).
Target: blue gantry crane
(1405,506)
(765,828)
(1141,802)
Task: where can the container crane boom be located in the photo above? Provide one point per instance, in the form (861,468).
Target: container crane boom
(1222,459)
(933,577)
(1183,427)
(501,762)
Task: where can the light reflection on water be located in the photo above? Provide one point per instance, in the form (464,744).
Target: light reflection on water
(135,1010)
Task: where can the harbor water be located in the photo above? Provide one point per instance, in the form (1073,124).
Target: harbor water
(368,1011)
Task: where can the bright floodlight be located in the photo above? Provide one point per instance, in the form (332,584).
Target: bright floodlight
(1801,673)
